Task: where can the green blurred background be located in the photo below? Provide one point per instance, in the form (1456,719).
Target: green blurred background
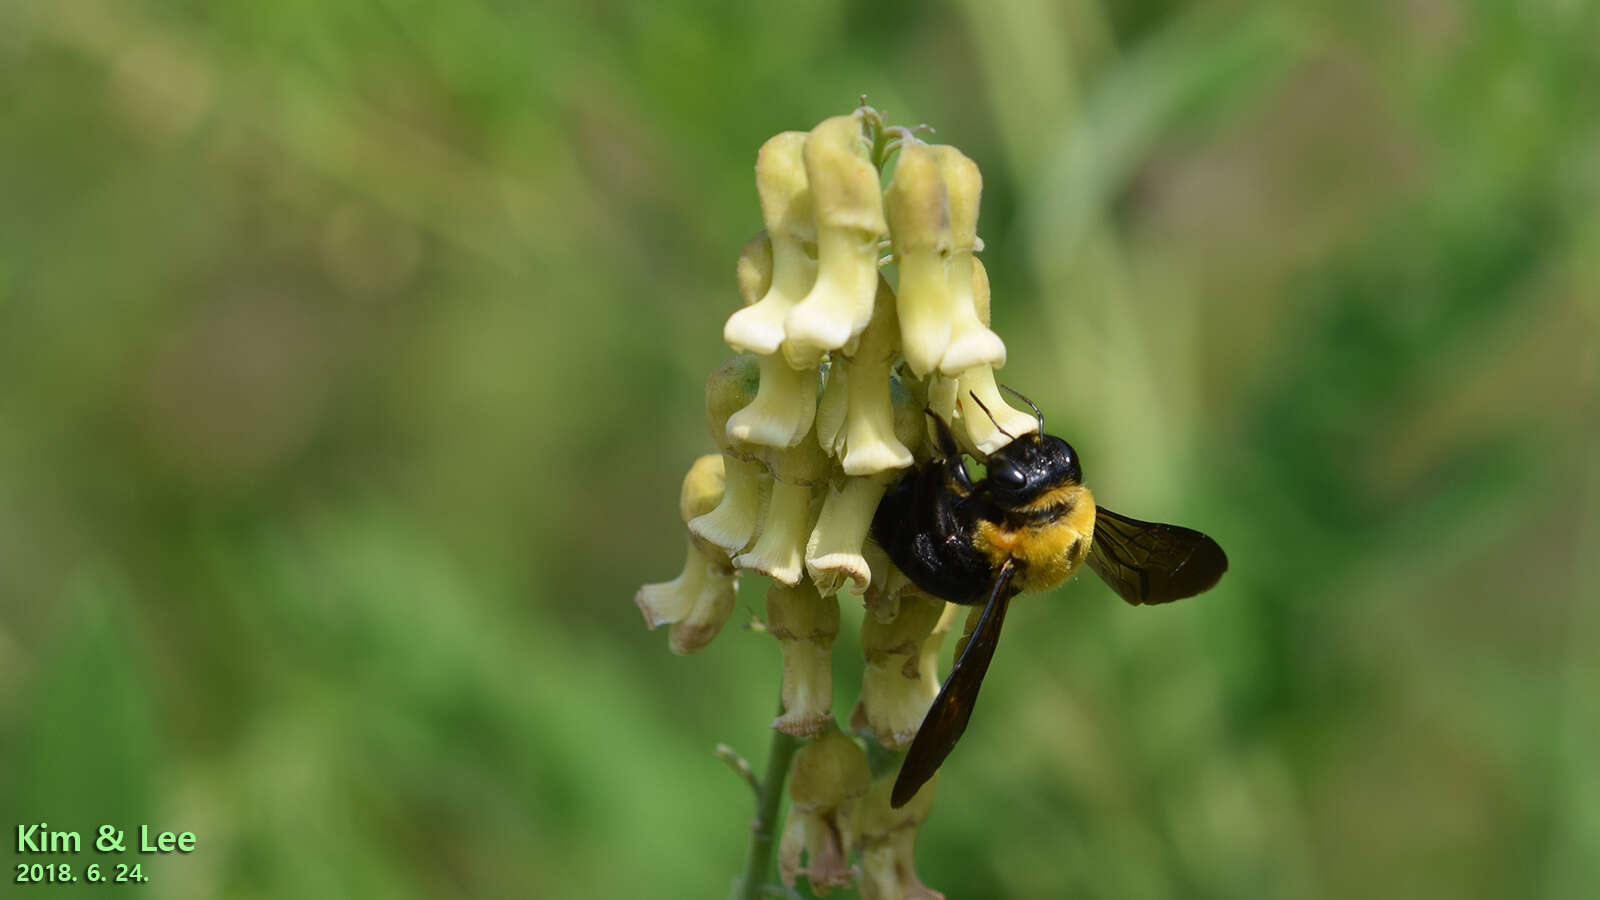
(351,354)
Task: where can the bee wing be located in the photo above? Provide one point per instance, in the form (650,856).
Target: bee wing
(1148,562)
(948,716)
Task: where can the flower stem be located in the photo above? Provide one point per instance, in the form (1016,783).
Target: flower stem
(768,798)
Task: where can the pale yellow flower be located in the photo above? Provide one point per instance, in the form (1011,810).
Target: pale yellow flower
(918,209)
(971,341)
(848,208)
(786,209)
(779,549)
(732,524)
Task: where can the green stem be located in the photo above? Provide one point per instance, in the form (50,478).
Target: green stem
(768,799)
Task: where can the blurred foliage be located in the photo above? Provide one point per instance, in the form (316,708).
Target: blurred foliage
(351,353)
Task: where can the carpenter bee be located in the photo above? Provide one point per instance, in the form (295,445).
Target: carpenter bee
(1027,525)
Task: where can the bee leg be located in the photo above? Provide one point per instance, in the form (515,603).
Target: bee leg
(955,470)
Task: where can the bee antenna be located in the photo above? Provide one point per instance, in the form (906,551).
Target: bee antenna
(991,416)
(1037,415)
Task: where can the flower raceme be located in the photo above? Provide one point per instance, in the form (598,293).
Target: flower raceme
(862,307)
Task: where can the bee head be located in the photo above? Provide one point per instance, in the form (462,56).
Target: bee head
(1031,465)
(1025,468)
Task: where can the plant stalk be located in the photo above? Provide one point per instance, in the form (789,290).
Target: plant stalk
(768,799)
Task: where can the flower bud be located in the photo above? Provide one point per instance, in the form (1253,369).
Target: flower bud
(830,775)
(848,208)
(805,624)
(786,209)
(698,602)
(888,837)
(895,694)
(971,342)
(918,208)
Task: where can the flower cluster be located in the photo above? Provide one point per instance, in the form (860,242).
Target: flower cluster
(864,305)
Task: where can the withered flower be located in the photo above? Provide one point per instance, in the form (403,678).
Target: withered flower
(830,775)
(698,602)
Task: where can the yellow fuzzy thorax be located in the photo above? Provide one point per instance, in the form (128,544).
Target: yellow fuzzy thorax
(1046,553)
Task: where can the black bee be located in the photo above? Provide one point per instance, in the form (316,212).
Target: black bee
(1026,526)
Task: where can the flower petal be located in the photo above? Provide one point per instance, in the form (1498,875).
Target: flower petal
(848,209)
(779,551)
(781,413)
(870,443)
(732,523)
(833,552)
(918,209)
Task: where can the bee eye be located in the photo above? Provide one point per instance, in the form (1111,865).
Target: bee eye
(1008,477)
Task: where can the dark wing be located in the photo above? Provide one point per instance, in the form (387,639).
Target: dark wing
(948,716)
(1147,562)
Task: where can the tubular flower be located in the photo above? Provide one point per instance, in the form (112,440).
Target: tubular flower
(895,692)
(786,210)
(888,838)
(838,547)
(833,552)
(783,409)
(918,208)
(830,776)
(698,602)
(971,341)
(984,434)
(869,442)
(733,523)
(779,551)
(805,624)
(848,209)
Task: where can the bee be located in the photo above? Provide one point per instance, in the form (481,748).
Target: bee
(1026,526)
